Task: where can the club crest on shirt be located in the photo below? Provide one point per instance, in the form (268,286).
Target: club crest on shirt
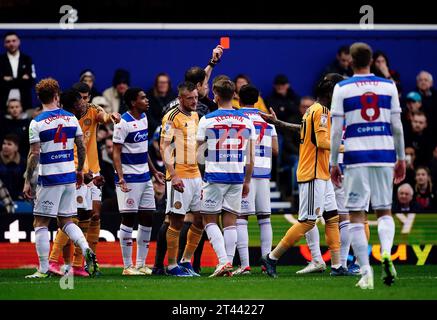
(130,202)
(87,122)
(324,120)
(167,126)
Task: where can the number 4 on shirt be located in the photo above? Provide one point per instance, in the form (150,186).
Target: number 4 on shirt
(60,137)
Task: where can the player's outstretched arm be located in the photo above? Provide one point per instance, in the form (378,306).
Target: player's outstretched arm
(273,119)
(217,53)
(32,163)
(107,118)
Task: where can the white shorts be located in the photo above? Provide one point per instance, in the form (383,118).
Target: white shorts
(340,197)
(258,199)
(83,198)
(216,197)
(86,194)
(141,196)
(189,200)
(315,197)
(55,201)
(368,184)
(330,199)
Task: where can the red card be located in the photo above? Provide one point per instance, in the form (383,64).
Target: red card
(225,42)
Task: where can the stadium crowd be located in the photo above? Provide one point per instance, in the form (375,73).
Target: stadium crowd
(17,78)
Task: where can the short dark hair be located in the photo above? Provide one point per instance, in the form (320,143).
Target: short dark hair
(13,100)
(186,85)
(10,33)
(248,95)
(343,49)
(195,75)
(69,98)
(130,95)
(242,76)
(326,86)
(220,77)
(47,89)
(13,138)
(121,76)
(224,89)
(379,53)
(162,74)
(81,87)
(419,113)
(361,54)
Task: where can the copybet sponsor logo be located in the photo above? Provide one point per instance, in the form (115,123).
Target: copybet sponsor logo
(60,156)
(140,137)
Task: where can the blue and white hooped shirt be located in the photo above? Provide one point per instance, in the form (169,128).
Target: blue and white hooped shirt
(56,131)
(133,135)
(367,102)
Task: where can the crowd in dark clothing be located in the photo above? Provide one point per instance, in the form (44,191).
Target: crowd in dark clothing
(17,78)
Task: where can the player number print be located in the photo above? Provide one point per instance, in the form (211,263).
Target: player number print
(237,129)
(60,137)
(370,110)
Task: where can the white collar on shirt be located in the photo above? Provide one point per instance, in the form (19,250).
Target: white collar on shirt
(15,56)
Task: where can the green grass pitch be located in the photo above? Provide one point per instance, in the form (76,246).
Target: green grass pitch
(414,283)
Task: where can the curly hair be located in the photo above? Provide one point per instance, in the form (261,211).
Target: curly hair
(47,89)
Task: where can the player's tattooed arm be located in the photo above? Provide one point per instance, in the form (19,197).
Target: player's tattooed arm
(81,152)
(107,118)
(32,161)
(273,119)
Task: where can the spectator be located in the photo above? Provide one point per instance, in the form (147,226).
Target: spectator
(114,95)
(283,99)
(88,77)
(413,104)
(433,166)
(240,81)
(17,121)
(17,73)
(425,87)
(159,96)
(404,201)
(103,132)
(107,169)
(12,166)
(424,194)
(342,63)
(6,202)
(410,159)
(381,68)
(419,139)
(305,103)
